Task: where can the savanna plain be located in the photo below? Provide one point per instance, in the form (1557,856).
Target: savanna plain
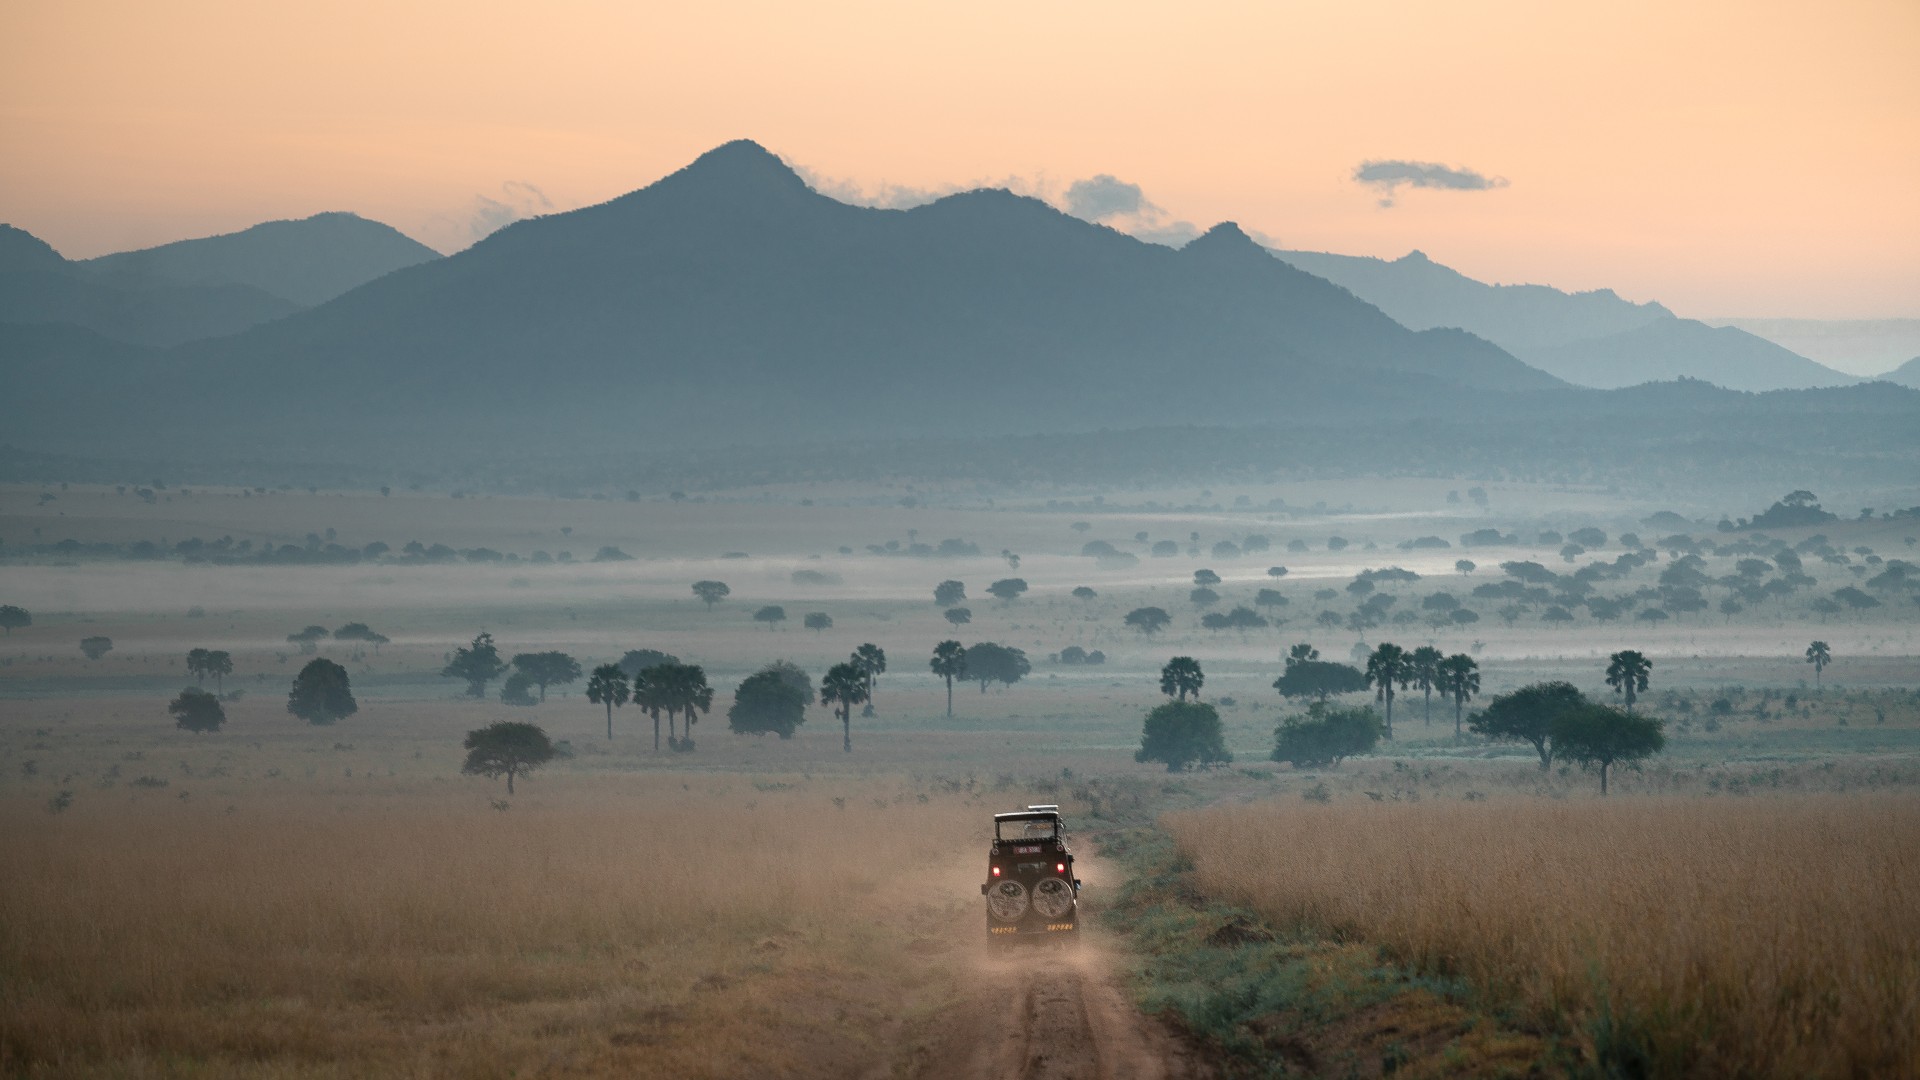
(283,897)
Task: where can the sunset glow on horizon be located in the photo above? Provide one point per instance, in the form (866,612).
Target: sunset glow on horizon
(1722,158)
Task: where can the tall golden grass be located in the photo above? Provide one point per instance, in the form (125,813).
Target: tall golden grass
(1701,937)
(686,925)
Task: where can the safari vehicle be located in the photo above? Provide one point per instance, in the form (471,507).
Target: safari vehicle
(1031,892)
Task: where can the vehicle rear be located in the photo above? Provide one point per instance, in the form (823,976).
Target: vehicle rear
(1031,891)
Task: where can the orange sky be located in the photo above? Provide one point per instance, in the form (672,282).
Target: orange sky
(1727,157)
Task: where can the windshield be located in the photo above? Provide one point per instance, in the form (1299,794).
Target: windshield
(1025,830)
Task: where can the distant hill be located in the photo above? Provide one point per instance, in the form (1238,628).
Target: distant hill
(1907,374)
(309,261)
(1421,293)
(1593,339)
(1865,347)
(731,303)
(1685,348)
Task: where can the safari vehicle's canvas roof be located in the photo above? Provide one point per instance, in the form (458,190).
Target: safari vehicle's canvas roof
(1029,815)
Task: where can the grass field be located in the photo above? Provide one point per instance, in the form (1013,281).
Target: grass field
(283,899)
(1665,936)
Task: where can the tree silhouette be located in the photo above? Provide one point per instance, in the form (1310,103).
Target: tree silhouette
(649,693)
(1180,734)
(817,620)
(950,663)
(1819,655)
(768,702)
(478,663)
(684,690)
(1386,666)
(96,646)
(992,662)
(1205,578)
(949,593)
(1423,670)
(841,688)
(771,614)
(547,668)
(608,686)
(959,616)
(1326,736)
(711,592)
(197,711)
(1602,736)
(1627,672)
(871,659)
(1147,620)
(1182,676)
(14,617)
(322,693)
(1008,589)
(1459,679)
(507,748)
(1530,713)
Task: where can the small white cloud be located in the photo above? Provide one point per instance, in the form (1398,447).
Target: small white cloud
(518,200)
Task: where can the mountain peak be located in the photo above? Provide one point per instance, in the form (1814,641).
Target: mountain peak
(1416,257)
(1225,238)
(21,250)
(744,160)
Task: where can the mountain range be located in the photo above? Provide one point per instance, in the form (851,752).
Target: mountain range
(1591,339)
(730,304)
(198,289)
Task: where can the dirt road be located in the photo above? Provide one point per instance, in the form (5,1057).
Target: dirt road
(1047,1013)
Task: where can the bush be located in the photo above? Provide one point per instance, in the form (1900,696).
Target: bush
(1326,736)
(1182,734)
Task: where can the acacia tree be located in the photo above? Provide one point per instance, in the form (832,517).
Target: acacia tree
(711,592)
(841,688)
(1147,620)
(1423,671)
(478,663)
(1182,676)
(1600,736)
(771,614)
(542,668)
(1529,714)
(1459,679)
(1386,666)
(959,616)
(1627,672)
(949,662)
(508,748)
(871,659)
(322,693)
(608,686)
(14,617)
(197,711)
(818,620)
(991,661)
(1008,589)
(949,593)
(1819,655)
(96,646)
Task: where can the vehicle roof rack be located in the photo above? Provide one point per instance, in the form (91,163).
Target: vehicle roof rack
(1055,807)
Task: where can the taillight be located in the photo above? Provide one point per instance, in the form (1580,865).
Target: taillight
(1059,868)
(996,871)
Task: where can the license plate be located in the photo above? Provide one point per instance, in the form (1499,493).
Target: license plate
(1026,851)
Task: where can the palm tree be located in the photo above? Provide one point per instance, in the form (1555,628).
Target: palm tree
(1423,667)
(686,692)
(843,687)
(1627,672)
(649,695)
(871,659)
(1386,665)
(1819,655)
(1459,678)
(950,663)
(608,686)
(1302,651)
(1182,676)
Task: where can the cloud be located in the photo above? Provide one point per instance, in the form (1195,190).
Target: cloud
(889,196)
(1387,177)
(518,200)
(1104,196)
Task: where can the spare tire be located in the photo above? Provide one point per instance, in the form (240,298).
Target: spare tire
(1007,900)
(1053,898)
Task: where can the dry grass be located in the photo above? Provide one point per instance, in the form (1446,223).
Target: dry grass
(1764,937)
(685,925)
